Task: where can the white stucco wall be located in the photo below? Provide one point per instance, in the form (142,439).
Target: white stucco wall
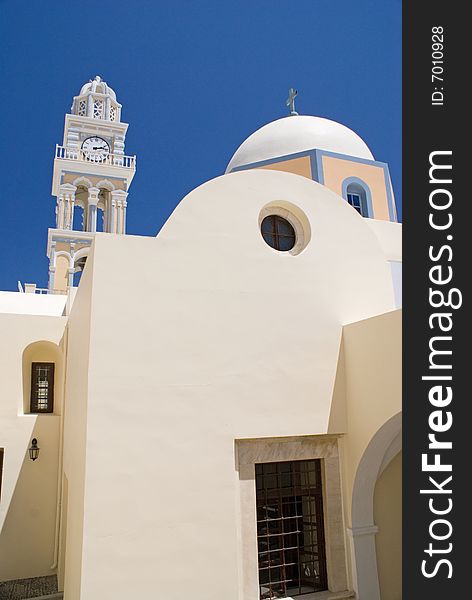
(396,268)
(389,236)
(32,304)
(75,435)
(199,337)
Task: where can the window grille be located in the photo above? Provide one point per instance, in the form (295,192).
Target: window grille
(290,531)
(112,113)
(42,387)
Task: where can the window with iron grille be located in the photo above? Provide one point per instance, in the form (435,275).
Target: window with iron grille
(290,531)
(42,387)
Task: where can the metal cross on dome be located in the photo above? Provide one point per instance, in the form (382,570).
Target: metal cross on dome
(291,101)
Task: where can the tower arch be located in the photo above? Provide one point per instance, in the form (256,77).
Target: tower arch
(43,352)
(104,204)
(83,181)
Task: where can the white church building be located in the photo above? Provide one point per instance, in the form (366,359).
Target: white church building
(215,412)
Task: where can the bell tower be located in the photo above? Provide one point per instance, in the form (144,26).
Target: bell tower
(91,179)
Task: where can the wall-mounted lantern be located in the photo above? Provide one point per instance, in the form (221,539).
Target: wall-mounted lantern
(33,449)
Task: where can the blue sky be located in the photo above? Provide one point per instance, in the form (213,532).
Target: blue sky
(195,78)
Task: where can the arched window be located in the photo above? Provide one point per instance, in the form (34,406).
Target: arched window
(80,258)
(80,209)
(357,194)
(103,205)
(42,377)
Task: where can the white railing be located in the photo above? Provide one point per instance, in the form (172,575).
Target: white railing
(115,160)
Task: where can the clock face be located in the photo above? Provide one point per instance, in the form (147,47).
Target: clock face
(95,149)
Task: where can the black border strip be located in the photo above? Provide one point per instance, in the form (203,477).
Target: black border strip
(433,252)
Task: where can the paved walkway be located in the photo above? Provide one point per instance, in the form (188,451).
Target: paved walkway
(19,589)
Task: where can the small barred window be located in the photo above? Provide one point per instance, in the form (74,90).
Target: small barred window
(82,108)
(42,387)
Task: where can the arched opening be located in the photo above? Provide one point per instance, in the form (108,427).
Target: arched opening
(388,518)
(102,210)
(80,259)
(357,195)
(62,264)
(49,384)
(104,205)
(78,270)
(81,209)
(384,446)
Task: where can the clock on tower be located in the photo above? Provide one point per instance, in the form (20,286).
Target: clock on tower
(91,178)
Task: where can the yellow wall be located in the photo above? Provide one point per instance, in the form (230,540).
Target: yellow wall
(372,353)
(299,166)
(336,170)
(43,352)
(366,398)
(61,276)
(27,537)
(94,179)
(29,489)
(388,518)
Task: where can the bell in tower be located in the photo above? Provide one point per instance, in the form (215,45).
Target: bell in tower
(91,178)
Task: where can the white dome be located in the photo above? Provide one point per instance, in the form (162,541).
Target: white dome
(98,86)
(293,134)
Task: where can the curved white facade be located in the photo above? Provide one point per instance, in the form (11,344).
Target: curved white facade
(184,360)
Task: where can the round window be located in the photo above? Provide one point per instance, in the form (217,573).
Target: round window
(278,233)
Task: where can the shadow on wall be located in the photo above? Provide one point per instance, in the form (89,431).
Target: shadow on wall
(27,536)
